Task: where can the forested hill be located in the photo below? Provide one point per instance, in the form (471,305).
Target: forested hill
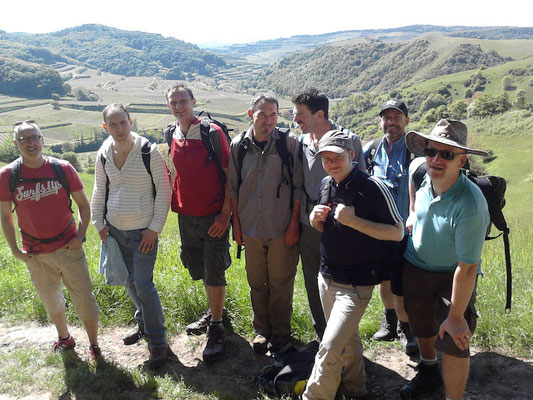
(358,66)
(129,53)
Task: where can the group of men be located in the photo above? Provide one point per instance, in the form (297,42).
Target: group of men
(309,196)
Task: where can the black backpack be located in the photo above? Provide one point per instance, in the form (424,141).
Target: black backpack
(60,176)
(288,373)
(287,160)
(493,188)
(210,140)
(372,150)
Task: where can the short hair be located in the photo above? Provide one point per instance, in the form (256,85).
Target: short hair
(314,99)
(113,107)
(263,98)
(177,86)
(18,125)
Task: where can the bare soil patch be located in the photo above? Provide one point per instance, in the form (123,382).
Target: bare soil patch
(493,375)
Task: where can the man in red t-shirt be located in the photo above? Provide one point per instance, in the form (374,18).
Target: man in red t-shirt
(51,242)
(201,200)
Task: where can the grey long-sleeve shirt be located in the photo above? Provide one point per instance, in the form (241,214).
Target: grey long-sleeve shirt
(261,212)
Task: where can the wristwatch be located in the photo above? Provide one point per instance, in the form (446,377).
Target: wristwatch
(83,239)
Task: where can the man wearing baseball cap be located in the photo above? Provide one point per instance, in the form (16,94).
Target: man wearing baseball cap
(356,214)
(388,159)
(449,222)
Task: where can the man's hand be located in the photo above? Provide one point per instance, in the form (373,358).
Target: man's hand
(21,255)
(458,330)
(292,234)
(237,232)
(219,226)
(74,244)
(345,214)
(103,234)
(410,222)
(319,214)
(148,241)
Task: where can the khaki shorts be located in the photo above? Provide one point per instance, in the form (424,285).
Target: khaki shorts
(70,266)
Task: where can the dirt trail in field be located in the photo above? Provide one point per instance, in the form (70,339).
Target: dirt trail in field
(493,376)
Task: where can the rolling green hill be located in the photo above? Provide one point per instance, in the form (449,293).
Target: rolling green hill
(129,53)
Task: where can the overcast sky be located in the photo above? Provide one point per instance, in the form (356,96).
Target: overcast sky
(240,21)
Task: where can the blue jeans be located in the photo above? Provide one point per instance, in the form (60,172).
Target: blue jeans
(140,285)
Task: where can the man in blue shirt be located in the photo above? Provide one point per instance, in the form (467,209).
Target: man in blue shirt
(449,219)
(388,159)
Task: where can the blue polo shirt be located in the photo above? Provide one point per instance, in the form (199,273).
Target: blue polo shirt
(390,166)
(449,228)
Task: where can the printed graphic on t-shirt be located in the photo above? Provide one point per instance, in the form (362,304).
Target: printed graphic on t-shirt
(41,190)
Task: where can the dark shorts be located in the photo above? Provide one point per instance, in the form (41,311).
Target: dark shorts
(205,257)
(396,270)
(427,302)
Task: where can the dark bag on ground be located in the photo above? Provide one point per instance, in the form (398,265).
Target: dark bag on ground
(493,188)
(288,372)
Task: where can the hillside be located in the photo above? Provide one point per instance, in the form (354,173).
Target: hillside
(372,65)
(129,53)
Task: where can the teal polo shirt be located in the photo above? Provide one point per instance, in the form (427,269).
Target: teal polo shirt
(448,228)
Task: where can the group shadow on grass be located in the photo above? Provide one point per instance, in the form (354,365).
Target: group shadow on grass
(492,376)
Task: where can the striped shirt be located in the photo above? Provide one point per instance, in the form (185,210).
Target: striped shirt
(131,204)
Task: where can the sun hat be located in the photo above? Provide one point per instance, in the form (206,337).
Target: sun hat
(446,131)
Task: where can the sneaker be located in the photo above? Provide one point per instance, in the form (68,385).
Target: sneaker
(133,337)
(158,357)
(408,341)
(387,330)
(260,344)
(199,327)
(426,380)
(216,338)
(64,344)
(277,343)
(95,354)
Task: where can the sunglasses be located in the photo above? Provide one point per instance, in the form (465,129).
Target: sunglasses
(28,121)
(445,154)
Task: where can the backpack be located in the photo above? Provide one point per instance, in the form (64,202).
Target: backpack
(287,160)
(210,140)
(288,372)
(146,157)
(372,149)
(59,176)
(493,189)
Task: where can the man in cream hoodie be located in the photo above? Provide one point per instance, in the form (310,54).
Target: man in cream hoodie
(131,204)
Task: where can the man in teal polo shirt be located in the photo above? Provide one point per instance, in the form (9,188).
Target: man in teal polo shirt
(449,220)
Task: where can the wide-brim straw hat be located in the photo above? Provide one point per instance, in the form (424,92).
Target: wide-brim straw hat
(447,131)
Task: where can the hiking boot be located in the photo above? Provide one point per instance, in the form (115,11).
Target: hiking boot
(260,344)
(277,343)
(216,338)
(158,357)
(408,341)
(95,354)
(200,326)
(426,380)
(64,344)
(387,330)
(133,337)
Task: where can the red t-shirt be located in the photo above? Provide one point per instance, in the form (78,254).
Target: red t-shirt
(42,207)
(197,189)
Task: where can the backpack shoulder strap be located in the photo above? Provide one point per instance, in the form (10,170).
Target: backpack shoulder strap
(372,148)
(418,175)
(242,149)
(60,173)
(103,161)
(14,180)
(147,156)
(286,158)
(324,197)
(169,133)
(211,142)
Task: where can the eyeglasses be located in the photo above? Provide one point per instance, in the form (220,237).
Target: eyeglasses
(445,154)
(28,139)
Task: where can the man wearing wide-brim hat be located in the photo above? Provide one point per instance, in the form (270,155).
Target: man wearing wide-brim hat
(448,222)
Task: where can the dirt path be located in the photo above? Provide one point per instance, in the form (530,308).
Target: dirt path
(493,376)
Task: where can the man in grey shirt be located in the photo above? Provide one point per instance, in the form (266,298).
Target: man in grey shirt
(311,114)
(265,185)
